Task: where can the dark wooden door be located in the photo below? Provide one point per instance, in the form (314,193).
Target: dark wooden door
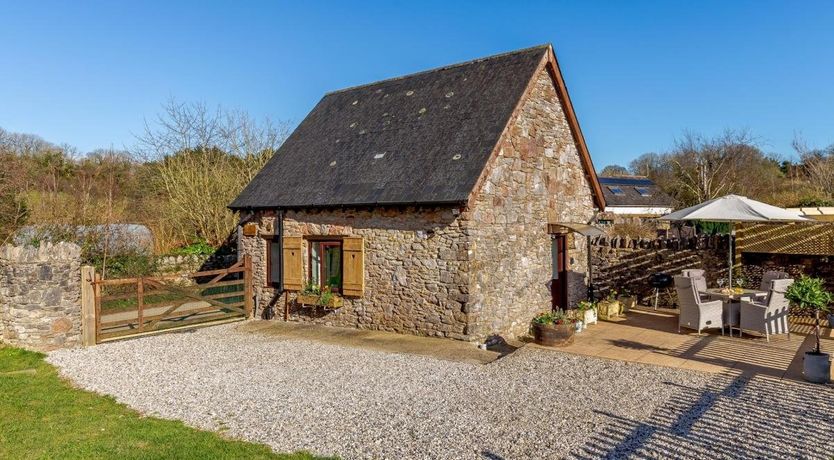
(559,282)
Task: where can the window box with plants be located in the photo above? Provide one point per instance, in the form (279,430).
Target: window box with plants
(312,294)
(809,294)
(553,329)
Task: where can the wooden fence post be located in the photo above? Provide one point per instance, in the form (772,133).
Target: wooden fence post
(88,306)
(247,285)
(140,302)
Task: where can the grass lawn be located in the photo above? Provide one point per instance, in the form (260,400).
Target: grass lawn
(43,416)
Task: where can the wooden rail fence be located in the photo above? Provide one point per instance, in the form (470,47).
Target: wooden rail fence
(119,308)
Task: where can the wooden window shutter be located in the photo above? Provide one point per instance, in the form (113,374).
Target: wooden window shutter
(353,273)
(293,267)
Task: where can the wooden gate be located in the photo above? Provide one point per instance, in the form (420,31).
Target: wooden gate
(139,306)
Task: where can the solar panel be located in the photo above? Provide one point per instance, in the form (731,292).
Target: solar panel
(627,181)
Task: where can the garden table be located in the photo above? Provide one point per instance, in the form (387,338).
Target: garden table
(732,303)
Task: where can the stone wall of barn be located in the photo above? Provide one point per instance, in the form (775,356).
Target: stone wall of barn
(416,269)
(40,296)
(537,178)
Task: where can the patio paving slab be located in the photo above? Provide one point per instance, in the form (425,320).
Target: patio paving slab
(651,337)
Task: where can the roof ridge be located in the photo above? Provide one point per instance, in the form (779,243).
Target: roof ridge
(437,69)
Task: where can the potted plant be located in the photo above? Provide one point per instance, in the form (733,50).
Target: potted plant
(609,308)
(553,329)
(587,310)
(627,300)
(809,293)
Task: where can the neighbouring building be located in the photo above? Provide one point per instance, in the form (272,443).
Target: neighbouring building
(634,199)
(441,203)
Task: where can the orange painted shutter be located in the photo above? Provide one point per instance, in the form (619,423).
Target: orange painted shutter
(293,268)
(353,276)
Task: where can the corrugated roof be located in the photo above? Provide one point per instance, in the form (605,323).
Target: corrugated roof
(633,191)
(420,139)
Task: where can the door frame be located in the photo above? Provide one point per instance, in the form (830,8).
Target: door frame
(559,271)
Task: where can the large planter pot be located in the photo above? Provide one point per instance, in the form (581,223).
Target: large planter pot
(831,320)
(589,317)
(609,309)
(627,303)
(556,335)
(817,367)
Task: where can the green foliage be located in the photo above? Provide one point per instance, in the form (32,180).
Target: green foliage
(43,416)
(549,318)
(586,305)
(712,228)
(311,289)
(809,293)
(325,294)
(125,265)
(198,248)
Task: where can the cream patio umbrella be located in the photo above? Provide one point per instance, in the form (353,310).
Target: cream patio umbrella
(732,209)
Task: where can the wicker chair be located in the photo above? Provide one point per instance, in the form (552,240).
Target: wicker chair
(768,316)
(767,277)
(699,276)
(696,313)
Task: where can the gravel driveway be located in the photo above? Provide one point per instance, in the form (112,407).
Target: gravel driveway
(356,403)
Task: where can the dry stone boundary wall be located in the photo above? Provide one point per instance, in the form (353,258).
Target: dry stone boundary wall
(40,296)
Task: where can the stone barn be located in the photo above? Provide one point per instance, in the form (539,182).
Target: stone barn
(450,202)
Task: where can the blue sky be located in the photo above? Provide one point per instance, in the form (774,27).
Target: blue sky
(639,73)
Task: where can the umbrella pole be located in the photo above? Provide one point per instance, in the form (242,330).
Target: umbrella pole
(730,255)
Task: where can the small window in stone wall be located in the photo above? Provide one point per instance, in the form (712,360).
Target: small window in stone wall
(274,253)
(325,259)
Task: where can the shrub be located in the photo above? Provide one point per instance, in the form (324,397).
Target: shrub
(810,293)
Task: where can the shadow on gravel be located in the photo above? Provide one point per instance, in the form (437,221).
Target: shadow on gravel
(735,415)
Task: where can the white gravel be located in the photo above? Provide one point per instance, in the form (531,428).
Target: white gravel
(355,403)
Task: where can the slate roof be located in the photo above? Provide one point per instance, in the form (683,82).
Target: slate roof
(631,196)
(423,138)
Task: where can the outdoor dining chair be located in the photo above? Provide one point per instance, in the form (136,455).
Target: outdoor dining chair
(767,277)
(696,313)
(699,279)
(769,316)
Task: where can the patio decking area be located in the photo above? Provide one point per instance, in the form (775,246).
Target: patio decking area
(651,337)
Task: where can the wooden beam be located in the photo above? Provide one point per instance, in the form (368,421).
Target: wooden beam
(88,306)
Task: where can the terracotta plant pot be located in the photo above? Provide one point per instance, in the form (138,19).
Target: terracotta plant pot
(817,367)
(553,335)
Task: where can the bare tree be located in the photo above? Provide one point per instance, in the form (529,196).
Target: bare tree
(202,159)
(614,171)
(818,165)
